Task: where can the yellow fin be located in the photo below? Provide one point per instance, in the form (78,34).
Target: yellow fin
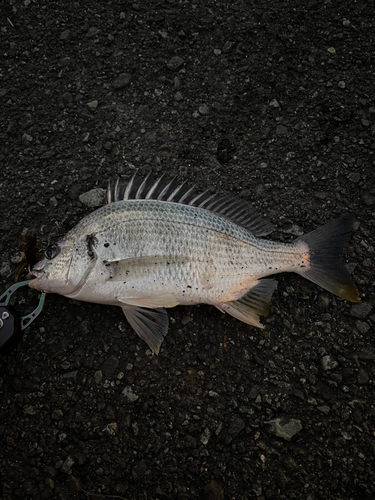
(254,304)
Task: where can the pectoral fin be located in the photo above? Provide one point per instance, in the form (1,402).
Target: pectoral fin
(253,305)
(152,302)
(150,325)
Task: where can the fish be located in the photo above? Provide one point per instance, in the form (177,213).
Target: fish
(159,244)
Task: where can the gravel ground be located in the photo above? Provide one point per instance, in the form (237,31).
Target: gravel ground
(271,101)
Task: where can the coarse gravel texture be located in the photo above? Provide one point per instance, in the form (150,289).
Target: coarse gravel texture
(272,101)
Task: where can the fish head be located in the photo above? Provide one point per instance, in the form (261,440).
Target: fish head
(63,268)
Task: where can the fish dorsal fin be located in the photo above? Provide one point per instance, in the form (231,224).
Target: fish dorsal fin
(236,210)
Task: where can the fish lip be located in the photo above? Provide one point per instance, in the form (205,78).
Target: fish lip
(36,274)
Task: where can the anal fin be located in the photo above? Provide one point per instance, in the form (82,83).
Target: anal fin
(151,325)
(254,304)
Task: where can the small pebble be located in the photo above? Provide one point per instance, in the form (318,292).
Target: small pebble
(18,258)
(324,409)
(363,377)
(67,465)
(236,426)
(57,414)
(228,46)
(203,109)
(109,365)
(93,104)
(362,327)
(65,35)
(326,317)
(93,198)
(85,137)
(213,491)
(26,138)
(111,429)
(29,410)
(284,427)
(366,354)
(281,130)
(121,81)
(328,363)
(93,31)
(205,436)
(129,394)
(360,310)
(49,482)
(175,63)
(53,201)
(98,376)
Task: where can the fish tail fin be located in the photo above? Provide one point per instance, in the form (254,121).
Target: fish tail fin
(324,267)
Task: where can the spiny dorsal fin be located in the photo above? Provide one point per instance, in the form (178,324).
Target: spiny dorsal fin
(236,210)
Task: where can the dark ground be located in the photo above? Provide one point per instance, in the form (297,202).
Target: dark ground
(271,101)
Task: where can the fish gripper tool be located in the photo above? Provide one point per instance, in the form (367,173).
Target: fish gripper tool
(11,324)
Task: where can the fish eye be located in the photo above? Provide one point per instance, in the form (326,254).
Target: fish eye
(52,251)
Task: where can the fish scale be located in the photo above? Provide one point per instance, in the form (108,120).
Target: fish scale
(164,245)
(195,246)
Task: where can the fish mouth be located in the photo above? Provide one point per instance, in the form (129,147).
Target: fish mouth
(36,273)
(36,276)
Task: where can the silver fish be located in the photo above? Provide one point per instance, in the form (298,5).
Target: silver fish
(156,245)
